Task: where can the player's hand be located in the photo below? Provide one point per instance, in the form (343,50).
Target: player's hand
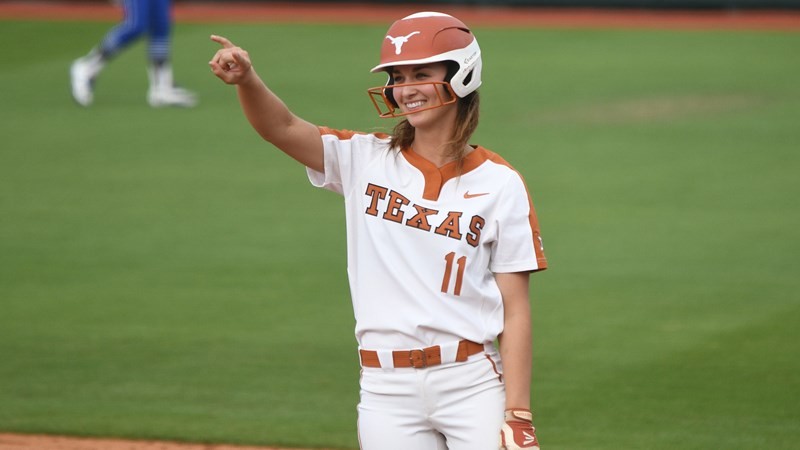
(518,432)
(230,64)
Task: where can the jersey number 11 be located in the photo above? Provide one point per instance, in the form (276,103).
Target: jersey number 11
(448,272)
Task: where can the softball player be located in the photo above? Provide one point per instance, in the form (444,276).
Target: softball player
(152,17)
(441,239)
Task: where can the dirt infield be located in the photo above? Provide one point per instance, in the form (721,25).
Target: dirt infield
(35,442)
(777,20)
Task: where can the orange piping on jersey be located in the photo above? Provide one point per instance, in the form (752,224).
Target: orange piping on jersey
(541,260)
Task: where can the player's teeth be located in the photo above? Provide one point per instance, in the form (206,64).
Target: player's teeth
(413,105)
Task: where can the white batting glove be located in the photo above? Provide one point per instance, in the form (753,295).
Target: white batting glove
(518,432)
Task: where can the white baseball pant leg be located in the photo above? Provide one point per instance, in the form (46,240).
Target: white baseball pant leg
(456,406)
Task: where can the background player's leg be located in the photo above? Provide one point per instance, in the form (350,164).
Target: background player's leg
(162,90)
(84,71)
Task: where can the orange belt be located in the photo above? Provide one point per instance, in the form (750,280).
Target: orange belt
(420,358)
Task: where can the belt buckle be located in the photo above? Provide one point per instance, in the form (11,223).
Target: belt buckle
(418,359)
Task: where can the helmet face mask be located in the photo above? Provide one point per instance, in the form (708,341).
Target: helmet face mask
(382,98)
(423,38)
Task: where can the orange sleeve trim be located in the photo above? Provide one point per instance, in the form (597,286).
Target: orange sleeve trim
(347,134)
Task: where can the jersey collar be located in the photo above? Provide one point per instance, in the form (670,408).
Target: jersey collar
(436,177)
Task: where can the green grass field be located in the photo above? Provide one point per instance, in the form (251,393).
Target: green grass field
(166,274)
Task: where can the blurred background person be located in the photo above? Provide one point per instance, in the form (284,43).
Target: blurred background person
(140,17)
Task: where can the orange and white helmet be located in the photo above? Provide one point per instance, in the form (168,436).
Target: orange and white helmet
(427,37)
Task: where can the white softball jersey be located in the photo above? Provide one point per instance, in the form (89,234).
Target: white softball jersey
(424,242)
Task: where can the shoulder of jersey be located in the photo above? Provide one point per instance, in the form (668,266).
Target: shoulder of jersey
(350,134)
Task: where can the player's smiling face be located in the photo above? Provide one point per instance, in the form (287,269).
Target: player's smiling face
(426,98)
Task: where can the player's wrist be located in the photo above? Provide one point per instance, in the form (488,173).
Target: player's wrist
(518,415)
(250,79)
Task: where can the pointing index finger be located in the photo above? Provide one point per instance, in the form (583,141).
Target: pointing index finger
(224,42)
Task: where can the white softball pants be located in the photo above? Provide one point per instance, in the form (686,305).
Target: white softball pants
(457,406)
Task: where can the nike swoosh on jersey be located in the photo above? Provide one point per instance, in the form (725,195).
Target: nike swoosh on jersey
(468,195)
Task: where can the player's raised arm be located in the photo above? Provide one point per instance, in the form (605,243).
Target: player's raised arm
(270,117)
